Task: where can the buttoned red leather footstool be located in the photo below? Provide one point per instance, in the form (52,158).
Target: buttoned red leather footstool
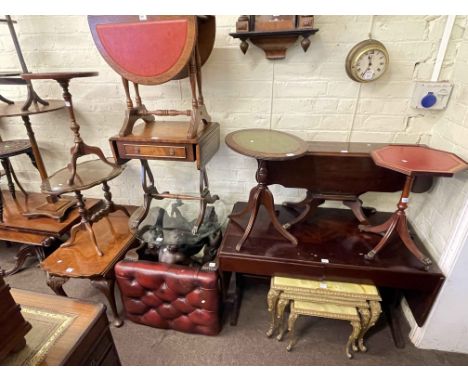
(168,296)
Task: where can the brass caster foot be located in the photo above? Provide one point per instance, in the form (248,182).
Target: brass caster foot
(370,255)
(117,322)
(289,347)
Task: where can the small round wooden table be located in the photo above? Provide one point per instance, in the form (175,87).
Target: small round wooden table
(411,161)
(264,145)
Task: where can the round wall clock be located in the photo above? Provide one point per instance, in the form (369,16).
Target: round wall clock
(367,61)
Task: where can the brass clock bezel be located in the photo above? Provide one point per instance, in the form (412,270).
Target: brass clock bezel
(357,51)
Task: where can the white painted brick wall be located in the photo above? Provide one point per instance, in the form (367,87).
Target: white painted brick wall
(436,213)
(313,98)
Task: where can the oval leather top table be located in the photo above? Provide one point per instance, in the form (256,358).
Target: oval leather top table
(264,145)
(411,161)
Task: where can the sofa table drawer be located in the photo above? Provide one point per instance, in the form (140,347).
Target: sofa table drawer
(154,151)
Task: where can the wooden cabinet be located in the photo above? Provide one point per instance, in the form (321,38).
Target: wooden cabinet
(13,327)
(86,341)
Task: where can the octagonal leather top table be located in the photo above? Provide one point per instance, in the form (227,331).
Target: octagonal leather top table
(264,145)
(411,161)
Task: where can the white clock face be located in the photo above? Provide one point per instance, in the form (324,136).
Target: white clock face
(370,65)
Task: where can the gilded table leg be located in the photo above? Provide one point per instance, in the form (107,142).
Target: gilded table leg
(56,284)
(106,286)
(282,303)
(292,330)
(353,338)
(272,300)
(365,315)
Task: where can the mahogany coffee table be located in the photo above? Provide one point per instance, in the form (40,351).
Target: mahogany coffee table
(410,161)
(264,145)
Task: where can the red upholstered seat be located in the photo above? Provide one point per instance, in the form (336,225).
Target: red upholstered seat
(170,296)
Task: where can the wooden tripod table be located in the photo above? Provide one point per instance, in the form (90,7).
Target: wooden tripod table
(55,207)
(77,177)
(410,161)
(264,145)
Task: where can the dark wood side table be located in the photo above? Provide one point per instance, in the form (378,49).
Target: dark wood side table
(82,261)
(410,161)
(87,341)
(329,247)
(264,145)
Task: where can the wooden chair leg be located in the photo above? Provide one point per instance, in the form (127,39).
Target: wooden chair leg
(7,167)
(13,174)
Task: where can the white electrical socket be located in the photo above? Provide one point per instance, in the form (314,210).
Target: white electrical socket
(431,95)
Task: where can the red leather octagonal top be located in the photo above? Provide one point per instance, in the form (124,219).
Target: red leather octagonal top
(418,160)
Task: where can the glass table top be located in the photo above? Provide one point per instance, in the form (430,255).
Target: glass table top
(266,144)
(88,174)
(171,222)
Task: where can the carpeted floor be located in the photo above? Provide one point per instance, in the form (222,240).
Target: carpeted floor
(321,341)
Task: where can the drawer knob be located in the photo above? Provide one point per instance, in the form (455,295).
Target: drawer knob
(171,152)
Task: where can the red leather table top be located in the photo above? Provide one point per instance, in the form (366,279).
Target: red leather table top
(414,160)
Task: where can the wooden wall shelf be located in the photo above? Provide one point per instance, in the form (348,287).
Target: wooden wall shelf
(275,40)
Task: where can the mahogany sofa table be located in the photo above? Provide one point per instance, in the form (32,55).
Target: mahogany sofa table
(82,261)
(330,246)
(339,171)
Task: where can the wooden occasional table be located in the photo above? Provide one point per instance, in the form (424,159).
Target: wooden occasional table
(54,207)
(76,177)
(82,261)
(264,145)
(34,235)
(410,161)
(85,339)
(329,248)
